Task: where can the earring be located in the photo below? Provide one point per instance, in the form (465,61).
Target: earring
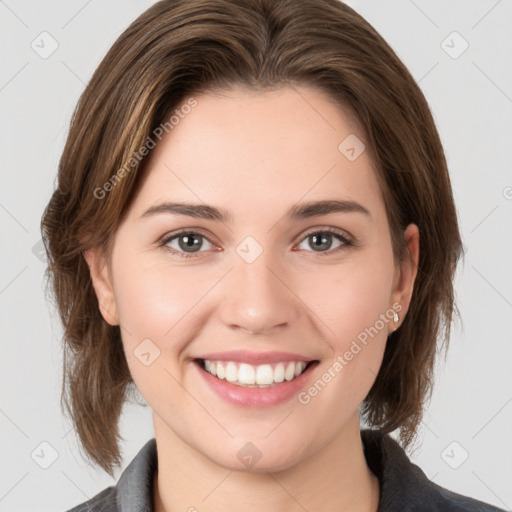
(396,318)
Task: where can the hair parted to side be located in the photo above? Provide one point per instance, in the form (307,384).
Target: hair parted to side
(181,47)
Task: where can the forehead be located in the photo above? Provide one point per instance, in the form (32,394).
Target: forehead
(257,151)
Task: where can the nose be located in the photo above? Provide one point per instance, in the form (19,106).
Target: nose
(258,297)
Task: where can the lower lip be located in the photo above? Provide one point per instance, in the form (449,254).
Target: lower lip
(256,397)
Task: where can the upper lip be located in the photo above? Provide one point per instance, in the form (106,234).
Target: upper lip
(255,358)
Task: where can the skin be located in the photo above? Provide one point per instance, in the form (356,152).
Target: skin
(256,155)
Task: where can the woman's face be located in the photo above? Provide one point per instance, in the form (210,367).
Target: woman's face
(262,287)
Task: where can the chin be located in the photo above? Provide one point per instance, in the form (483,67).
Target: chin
(249,457)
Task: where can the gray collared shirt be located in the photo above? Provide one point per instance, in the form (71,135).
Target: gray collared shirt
(403,485)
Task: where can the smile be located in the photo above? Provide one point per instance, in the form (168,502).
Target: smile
(255,385)
(248,375)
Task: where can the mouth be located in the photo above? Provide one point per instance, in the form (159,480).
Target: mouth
(255,386)
(255,376)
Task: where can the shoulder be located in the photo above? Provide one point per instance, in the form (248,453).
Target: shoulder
(105,501)
(444,499)
(133,491)
(404,486)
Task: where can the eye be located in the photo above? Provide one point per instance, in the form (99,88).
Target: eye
(322,240)
(185,243)
(188,244)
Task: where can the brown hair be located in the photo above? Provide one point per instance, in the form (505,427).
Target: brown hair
(180,47)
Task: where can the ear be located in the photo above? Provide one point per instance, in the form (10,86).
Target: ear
(102,282)
(405,274)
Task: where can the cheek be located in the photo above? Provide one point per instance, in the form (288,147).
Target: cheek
(355,319)
(352,303)
(155,301)
(354,297)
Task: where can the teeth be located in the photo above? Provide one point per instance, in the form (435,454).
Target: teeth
(231,372)
(279,372)
(289,373)
(248,375)
(221,371)
(264,375)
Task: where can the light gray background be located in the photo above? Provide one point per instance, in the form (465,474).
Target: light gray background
(471,98)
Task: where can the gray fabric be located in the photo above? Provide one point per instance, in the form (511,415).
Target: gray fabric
(403,485)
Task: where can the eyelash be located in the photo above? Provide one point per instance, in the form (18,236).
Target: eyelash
(342,238)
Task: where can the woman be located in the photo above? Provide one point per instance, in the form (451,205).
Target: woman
(236,234)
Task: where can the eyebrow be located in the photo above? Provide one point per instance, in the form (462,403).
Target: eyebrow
(296,212)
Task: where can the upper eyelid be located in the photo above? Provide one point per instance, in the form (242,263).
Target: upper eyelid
(193,231)
(331,230)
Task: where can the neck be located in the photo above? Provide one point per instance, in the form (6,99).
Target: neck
(336,478)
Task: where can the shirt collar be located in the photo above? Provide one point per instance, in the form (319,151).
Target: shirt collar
(402,483)
(135,486)
(384,456)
